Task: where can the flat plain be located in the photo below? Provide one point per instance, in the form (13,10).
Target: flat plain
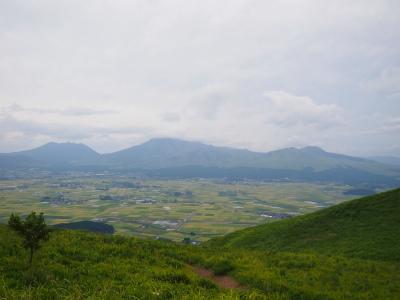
(172,209)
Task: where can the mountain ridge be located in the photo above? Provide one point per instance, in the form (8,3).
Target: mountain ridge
(168,145)
(59,153)
(183,158)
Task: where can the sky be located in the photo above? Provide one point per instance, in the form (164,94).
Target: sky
(254,74)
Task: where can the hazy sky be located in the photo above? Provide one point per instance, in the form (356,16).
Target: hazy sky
(245,73)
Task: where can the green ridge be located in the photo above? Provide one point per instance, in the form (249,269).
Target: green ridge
(364,228)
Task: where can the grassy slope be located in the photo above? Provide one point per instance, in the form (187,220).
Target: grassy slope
(364,228)
(81,265)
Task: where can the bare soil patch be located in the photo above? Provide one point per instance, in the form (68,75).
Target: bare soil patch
(223,281)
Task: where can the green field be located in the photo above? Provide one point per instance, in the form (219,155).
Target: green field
(171,209)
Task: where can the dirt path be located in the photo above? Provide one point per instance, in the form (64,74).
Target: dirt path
(223,281)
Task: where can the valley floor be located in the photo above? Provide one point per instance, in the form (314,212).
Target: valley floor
(199,209)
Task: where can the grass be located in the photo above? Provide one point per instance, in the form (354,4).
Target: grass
(82,265)
(365,228)
(309,261)
(79,265)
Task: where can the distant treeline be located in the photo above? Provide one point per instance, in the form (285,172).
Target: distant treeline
(88,226)
(341,175)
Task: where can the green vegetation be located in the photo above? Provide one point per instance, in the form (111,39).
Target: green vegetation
(365,228)
(172,209)
(81,265)
(33,230)
(222,267)
(88,226)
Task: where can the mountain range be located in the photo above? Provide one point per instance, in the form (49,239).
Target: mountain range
(166,157)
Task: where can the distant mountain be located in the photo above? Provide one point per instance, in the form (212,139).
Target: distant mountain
(389,160)
(52,154)
(162,153)
(13,161)
(364,228)
(165,153)
(184,159)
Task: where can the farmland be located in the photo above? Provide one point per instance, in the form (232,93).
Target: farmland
(172,209)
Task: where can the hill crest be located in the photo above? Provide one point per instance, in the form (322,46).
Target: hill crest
(367,228)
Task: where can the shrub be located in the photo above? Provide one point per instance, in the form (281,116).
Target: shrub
(223,267)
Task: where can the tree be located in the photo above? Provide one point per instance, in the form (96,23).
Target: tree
(186,240)
(33,230)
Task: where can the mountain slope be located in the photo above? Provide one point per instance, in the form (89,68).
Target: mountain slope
(16,161)
(364,228)
(162,153)
(184,159)
(388,160)
(59,154)
(318,159)
(171,158)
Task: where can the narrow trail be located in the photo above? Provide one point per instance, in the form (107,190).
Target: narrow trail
(223,281)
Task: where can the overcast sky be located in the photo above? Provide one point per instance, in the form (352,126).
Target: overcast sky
(252,74)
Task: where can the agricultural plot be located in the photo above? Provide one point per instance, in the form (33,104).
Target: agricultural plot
(172,209)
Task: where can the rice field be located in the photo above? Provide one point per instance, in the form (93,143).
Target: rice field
(170,209)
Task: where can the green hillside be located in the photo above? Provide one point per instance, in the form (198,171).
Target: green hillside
(83,265)
(364,228)
(317,256)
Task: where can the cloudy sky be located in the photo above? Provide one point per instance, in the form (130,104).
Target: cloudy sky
(252,74)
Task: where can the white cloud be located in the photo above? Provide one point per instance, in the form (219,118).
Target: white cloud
(170,117)
(70,111)
(387,82)
(391,125)
(198,70)
(285,109)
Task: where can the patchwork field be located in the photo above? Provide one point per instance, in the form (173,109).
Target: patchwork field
(173,209)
